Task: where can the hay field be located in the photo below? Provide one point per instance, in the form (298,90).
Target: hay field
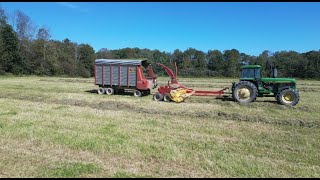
(60,127)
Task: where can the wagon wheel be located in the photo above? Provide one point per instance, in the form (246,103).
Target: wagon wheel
(109,91)
(137,93)
(101,90)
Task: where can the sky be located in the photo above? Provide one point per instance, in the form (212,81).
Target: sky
(250,27)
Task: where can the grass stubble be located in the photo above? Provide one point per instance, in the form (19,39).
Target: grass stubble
(58,127)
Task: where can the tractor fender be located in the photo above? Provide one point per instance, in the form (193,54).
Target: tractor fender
(285,87)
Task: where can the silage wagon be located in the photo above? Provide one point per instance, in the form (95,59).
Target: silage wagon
(124,75)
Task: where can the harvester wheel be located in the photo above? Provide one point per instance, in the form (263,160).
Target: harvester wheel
(101,90)
(245,92)
(109,91)
(137,93)
(158,97)
(167,97)
(289,97)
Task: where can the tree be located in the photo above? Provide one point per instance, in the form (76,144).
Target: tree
(25,30)
(215,60)
(43,36)
(24,26)
(200,61)
(312,64)
(177,57)
(104,53)
(3,19)
(232,63)
(188,57)
(3,16)
(264,59)
(44,60)
(9,55)
(288,63)
(86,60)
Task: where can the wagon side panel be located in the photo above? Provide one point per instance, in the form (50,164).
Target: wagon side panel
(98,74)
(115,75)
(123,76)
(106,74)
(132,75)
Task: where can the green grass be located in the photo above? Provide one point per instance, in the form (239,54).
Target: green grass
(58,127)
(125,174)
(72,170)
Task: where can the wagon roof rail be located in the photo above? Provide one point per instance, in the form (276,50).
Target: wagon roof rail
(120,61)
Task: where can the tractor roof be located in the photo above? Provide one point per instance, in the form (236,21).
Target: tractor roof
(250,66)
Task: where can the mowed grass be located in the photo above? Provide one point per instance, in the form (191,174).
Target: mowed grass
(60,127)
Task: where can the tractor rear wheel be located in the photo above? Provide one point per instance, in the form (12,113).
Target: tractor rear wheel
(289,97)
(101,90)
(109,91)
(245,92)
(158,97)
(167,97)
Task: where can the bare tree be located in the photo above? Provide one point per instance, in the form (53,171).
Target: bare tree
(24,26)
(3,16)
(44,35)
(12,19)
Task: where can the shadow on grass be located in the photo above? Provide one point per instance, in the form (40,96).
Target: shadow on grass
(95,91)
(258,100)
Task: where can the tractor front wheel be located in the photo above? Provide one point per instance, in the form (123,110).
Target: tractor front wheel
(245,92)
(288,97)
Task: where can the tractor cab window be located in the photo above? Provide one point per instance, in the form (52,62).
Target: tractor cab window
(247,73)
(257,73)
(251,73)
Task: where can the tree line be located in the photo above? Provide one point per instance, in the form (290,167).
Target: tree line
(28,50)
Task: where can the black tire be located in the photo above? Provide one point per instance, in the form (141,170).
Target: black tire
(137,93)
(167,98)
(158,97)
(289,97)
(109,91)
(245,92)
(101,90)
(147,92)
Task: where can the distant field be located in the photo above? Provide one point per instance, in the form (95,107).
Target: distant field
(60,127)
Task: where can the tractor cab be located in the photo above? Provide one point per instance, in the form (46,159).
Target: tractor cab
(250,72)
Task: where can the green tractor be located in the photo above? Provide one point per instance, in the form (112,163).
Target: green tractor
(252,85)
